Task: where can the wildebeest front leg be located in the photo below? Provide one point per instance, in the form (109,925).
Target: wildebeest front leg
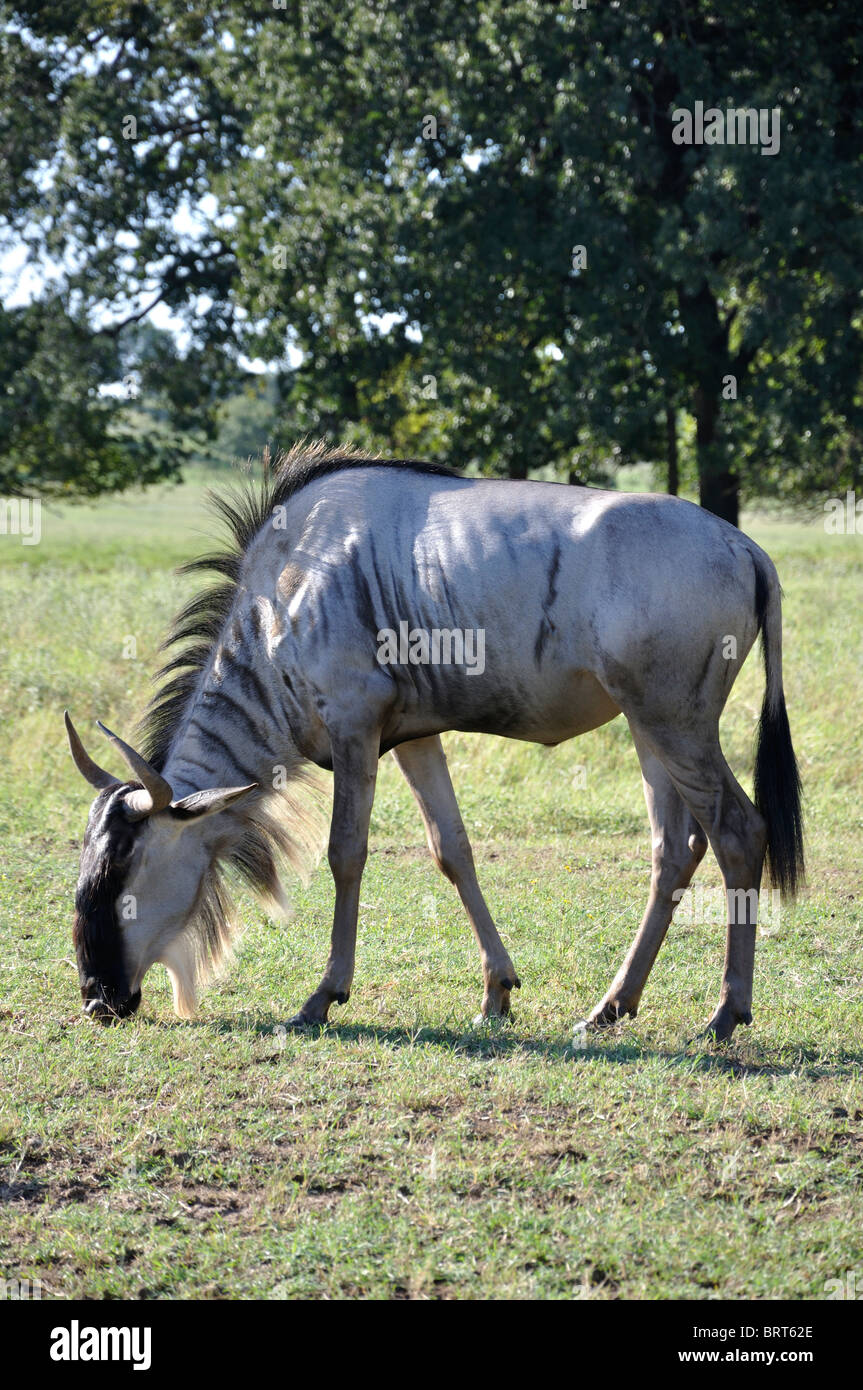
(678,846)
(423,763)
(354,773)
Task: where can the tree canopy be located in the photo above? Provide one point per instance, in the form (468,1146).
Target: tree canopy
(469,232)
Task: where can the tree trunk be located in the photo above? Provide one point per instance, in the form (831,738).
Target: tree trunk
(718,485)
(671,448)
(719,492)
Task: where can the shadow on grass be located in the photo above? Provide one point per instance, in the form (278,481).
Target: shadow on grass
(500,1041)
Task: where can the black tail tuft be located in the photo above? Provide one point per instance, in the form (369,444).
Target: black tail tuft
(778,798)
(777,778)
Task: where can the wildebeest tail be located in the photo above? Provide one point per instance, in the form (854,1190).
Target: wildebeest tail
(777,778)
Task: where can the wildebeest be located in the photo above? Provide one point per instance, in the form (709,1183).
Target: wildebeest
(591,604)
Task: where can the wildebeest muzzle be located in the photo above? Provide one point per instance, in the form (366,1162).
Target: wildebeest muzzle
(106,1005)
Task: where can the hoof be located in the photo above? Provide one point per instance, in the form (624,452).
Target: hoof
(495,1003)
(723,1023)
(301,1021)
(493,1020)
(609,1014)
(503,1014)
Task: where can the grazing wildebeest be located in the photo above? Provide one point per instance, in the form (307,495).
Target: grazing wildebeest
(591,603)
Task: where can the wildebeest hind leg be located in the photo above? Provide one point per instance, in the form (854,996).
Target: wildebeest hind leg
(678,846)
(423,763)
(737,834)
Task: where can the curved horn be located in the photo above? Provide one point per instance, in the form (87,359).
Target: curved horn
(158,792)
(96,776)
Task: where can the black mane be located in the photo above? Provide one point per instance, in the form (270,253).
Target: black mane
(243,511)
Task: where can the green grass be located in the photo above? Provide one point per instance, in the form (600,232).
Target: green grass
(403,1153)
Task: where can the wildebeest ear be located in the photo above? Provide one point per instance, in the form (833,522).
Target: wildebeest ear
(207,803)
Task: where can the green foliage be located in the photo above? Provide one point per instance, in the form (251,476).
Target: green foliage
(247,421)
(369,197)
(58,434)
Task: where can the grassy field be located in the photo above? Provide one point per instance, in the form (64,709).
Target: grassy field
(402,1153)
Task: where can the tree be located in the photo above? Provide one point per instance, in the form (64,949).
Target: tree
(499,142)
(102,165)
(471,231)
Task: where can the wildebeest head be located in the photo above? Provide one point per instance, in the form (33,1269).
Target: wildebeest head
(144,864)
